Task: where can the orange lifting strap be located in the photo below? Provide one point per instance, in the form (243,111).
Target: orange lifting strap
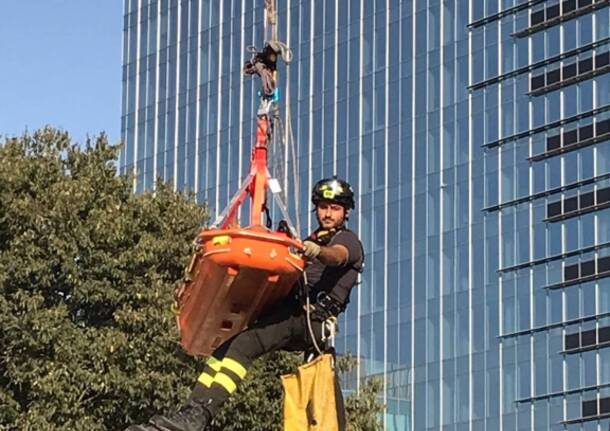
(236,273)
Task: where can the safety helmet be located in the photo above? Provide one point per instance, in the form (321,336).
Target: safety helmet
(333,190)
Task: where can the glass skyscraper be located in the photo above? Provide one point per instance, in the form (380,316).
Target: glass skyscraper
(477,136)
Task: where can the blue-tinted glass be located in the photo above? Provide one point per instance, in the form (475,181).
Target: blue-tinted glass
(554,106)
(478,10)
(570,35)
(538,46)
(553,41)
(602,23)
(603,90)
(440,244)
(585,27)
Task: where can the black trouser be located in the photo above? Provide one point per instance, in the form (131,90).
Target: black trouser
(285,329)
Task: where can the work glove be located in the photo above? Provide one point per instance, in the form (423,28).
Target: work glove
(311,249)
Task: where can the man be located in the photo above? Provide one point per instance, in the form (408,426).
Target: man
(335,257)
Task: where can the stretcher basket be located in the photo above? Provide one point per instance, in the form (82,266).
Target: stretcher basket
(234,275)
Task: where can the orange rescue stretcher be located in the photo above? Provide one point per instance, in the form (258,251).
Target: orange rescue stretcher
(236,273)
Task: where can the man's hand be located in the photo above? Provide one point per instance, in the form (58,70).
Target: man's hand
(311,249)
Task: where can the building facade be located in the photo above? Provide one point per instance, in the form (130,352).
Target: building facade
(475,133)
(541,95)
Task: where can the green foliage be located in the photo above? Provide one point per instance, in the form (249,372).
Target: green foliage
(363,409)
(87,274)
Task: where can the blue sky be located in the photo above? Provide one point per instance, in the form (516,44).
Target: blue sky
(60,64)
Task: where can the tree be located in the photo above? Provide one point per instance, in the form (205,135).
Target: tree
(87,273)
(363,409)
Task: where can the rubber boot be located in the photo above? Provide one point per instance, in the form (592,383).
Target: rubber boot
(142,428)
(192,417)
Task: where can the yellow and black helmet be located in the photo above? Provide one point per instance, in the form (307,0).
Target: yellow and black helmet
(333,190)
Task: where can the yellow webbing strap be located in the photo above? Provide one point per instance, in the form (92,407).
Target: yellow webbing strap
(313,384)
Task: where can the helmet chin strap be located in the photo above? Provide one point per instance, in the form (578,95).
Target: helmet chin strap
(322,236)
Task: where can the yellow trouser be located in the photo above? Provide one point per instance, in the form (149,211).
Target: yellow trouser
(313,384)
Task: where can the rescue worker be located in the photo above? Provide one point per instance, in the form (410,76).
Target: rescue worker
(334,259)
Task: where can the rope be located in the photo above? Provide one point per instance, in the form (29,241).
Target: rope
(329,324)
(284,211)
(308,316)
(283,49)
(222,216)
(269,5)
(295,170)
(257,67)
(277,155)
(271,21)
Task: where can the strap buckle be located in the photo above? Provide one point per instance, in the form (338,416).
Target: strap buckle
(329,326)
(328,304)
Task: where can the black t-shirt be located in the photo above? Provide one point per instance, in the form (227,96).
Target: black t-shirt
(337,281)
